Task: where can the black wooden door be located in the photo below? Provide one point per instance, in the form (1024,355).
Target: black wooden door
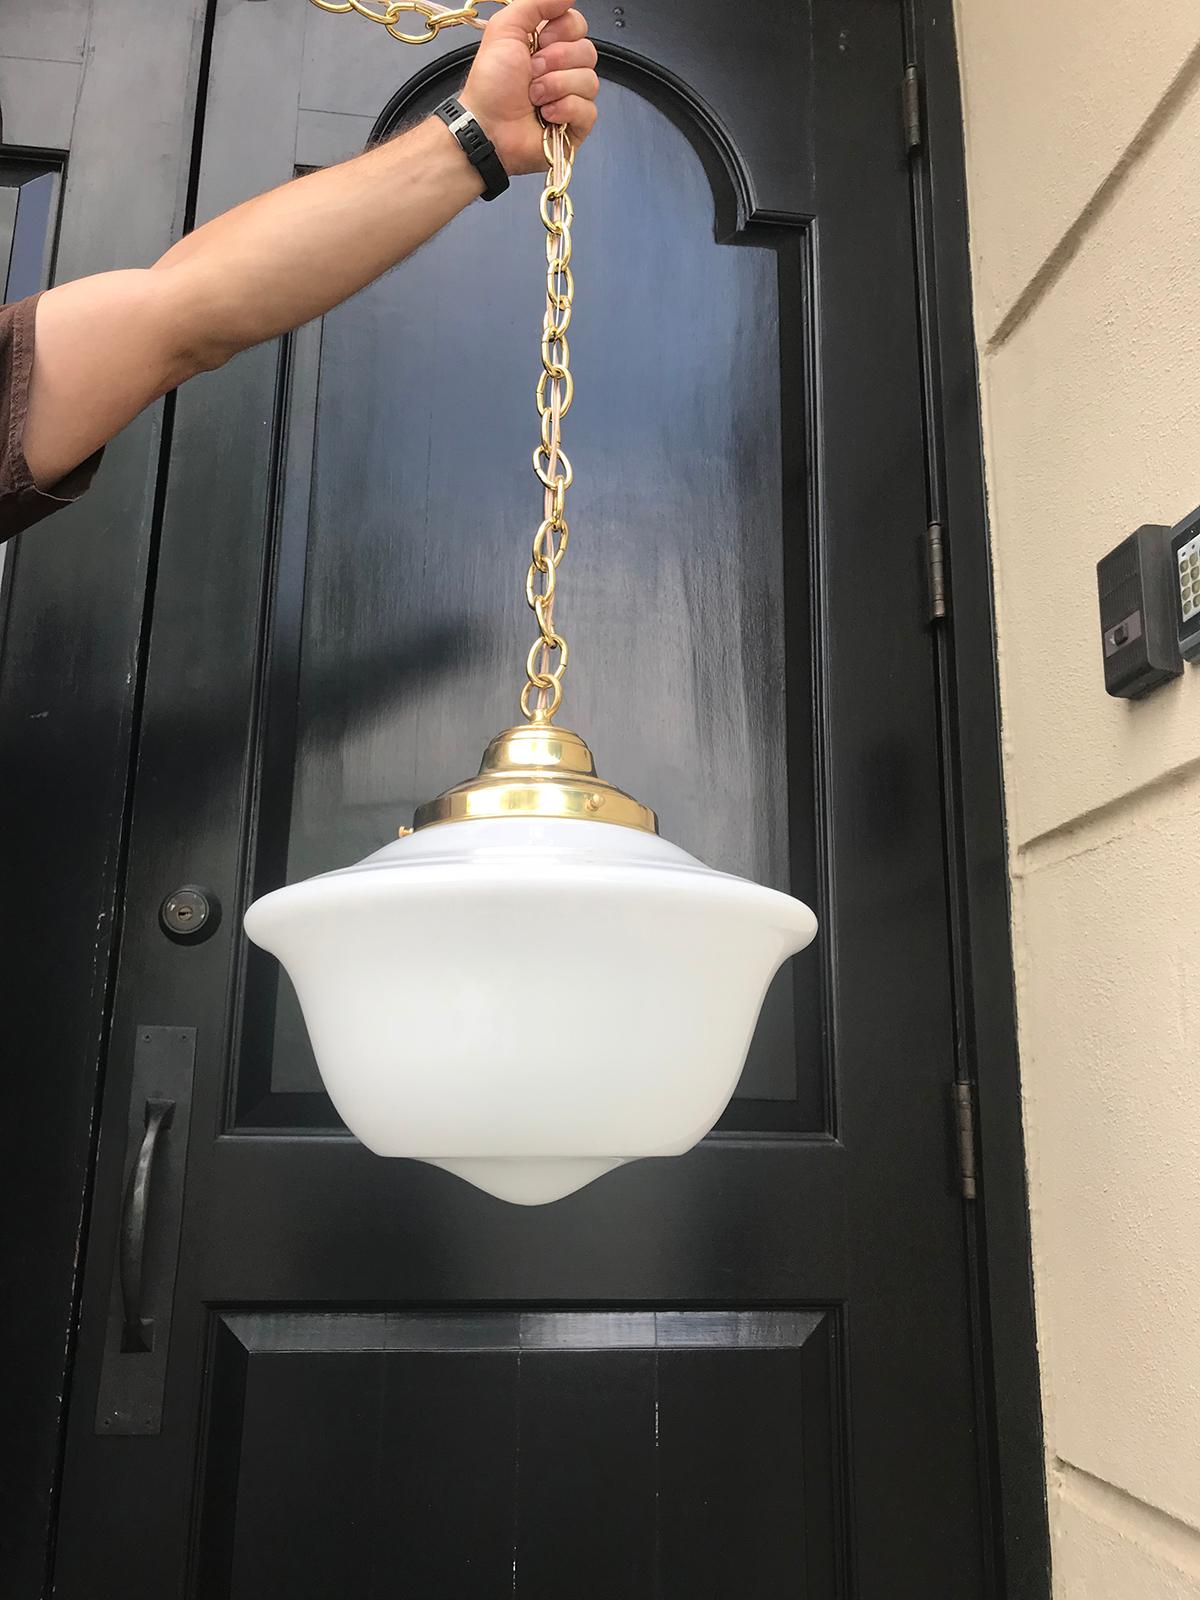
(743,1373)
(97,101)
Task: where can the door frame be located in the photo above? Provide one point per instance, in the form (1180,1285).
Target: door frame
(79,846)
(978,886)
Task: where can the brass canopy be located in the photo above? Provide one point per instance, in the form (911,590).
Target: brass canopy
(537,771)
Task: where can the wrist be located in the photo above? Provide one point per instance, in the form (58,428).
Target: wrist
(477,148)
(448,151)
(467,101)
(512,140)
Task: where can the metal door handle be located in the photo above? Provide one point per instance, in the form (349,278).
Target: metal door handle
(141,1290)
(137,1333)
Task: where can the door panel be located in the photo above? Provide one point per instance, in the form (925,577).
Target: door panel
(391,657)
(526,1444)
(338,630)
(94,158)
(30,195)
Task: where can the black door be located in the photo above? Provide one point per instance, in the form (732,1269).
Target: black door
(743,1373)
(97,102)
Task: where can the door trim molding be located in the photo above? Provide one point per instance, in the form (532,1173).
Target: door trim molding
(997,1226)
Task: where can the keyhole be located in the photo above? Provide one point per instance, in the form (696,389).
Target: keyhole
(189,913)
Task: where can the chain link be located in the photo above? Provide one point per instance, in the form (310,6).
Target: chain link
(436,18)
(541,695)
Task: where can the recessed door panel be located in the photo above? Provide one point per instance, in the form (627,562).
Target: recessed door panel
(668,1456)
(396,626)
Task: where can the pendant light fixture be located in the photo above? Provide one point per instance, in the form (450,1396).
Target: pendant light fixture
(530,987)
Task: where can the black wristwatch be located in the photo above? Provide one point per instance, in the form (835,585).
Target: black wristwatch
(476,146)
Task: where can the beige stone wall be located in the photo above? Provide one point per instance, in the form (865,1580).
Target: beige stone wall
(1083,159)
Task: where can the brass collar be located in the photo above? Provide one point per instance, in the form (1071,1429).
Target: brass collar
(537,771)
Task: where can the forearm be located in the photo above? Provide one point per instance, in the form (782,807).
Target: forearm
(290,255)
(108,345)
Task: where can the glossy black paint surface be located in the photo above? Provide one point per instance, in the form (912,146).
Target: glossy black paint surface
(73,95)
(319,583)
(638,1454)
(399,626)
(371,510)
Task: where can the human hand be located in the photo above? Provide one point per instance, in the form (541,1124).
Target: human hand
(507,86)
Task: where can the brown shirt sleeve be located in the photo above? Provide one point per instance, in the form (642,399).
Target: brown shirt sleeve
(22,503)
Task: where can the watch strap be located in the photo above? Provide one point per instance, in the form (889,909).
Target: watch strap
(476,146)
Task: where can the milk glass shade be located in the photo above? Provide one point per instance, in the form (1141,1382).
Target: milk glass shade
(530,999)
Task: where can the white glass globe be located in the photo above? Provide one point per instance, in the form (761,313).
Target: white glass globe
(530,1000)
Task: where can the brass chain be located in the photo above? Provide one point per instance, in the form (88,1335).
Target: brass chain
(554,394)
(436,18)
(541,695)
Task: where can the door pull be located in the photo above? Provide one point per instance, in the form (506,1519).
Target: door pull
(133,1374)
(137,1332)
